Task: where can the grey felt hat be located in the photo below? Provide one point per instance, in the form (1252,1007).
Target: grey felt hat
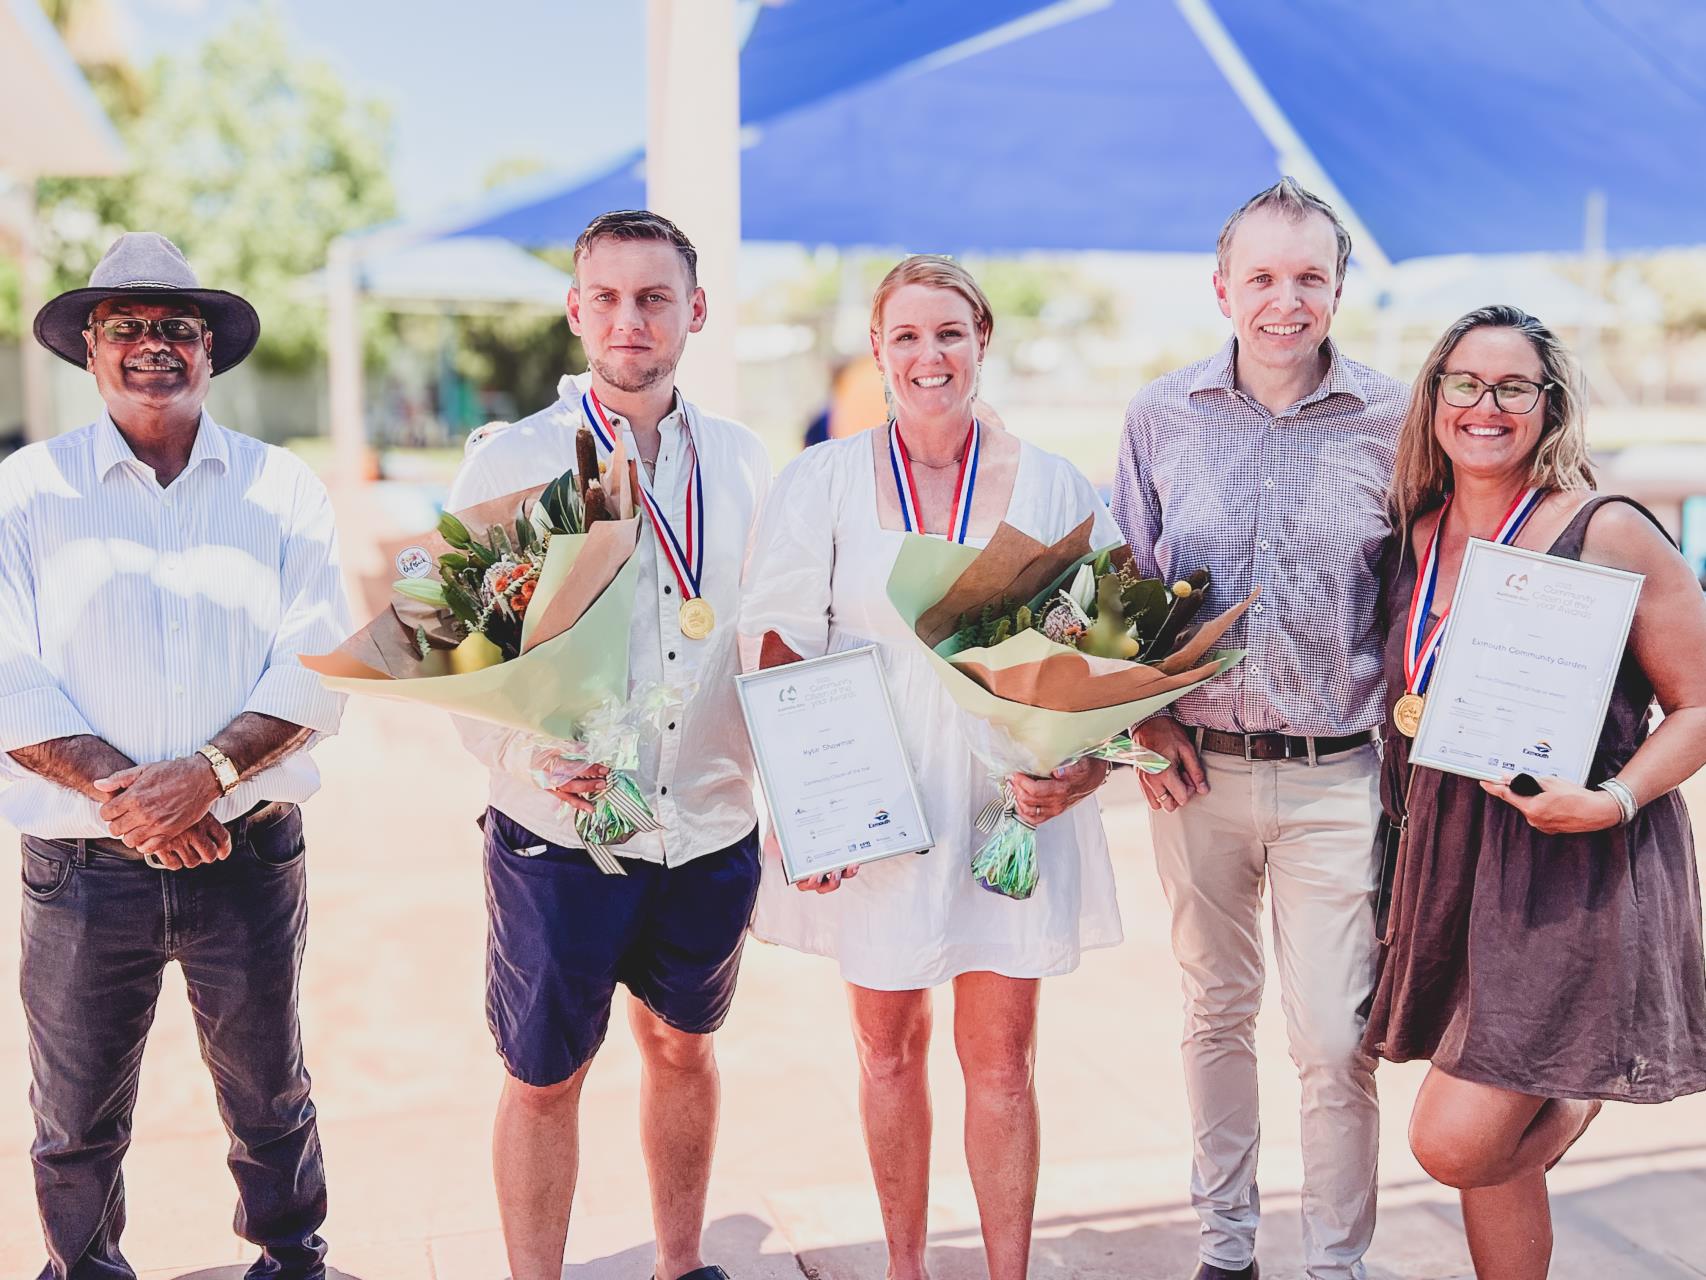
(140,264)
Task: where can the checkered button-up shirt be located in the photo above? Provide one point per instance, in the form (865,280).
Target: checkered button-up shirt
(1293,503)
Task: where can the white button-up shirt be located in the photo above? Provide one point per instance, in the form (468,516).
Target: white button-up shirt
(697,772)
(152,617)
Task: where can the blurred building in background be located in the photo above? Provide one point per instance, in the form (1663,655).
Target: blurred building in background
(55,128)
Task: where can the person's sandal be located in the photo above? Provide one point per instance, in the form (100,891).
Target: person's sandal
(704,1273)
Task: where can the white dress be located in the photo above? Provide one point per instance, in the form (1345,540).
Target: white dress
(817,577)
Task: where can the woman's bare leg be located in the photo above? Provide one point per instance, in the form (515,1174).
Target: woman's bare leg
(1494,1146)
(1509,1228)
(891,1032)
(995,1032)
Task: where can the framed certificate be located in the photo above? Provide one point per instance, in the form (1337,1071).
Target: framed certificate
(1527,665)
(835,775)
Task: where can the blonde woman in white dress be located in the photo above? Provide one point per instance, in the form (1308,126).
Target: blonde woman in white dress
(816,583)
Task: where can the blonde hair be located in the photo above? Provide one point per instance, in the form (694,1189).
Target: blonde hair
(935,272)
(640,224)
(1421,475)
(1292,201)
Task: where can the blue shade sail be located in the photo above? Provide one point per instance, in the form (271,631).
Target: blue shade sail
(1460,126)
(1449,126)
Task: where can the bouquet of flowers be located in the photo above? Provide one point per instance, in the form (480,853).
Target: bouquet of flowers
(1057,651)
(515,611)
(485,583)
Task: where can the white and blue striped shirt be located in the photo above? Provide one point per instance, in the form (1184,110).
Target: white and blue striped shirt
(151,618)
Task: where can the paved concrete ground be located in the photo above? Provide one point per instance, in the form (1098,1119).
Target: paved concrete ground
(406,1078)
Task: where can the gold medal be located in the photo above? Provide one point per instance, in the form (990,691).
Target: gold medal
(1407,714)
(698,619)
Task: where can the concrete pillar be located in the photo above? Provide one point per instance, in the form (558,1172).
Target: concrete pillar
(693,170)
(35,359)
(348,422)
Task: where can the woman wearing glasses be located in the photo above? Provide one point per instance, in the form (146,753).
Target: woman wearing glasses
(1543,951)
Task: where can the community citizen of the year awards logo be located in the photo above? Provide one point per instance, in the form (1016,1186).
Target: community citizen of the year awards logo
(820,691)
(1515,585)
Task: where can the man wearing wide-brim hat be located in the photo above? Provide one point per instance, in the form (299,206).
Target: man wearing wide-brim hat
(159,575)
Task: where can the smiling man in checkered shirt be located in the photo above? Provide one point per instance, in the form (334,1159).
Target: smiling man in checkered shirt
(1267,464)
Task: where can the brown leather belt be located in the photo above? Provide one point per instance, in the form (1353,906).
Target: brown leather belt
(1277,746)
(119,849)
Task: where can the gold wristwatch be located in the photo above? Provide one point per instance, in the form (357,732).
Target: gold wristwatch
(223,769)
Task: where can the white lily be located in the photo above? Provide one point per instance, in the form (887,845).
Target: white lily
(1083,589)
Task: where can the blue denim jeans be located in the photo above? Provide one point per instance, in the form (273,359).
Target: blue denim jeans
(98,932)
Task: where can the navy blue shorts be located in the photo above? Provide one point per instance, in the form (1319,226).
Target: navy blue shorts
(562,934)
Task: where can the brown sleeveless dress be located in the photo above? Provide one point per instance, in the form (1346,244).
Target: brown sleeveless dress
(1565,966)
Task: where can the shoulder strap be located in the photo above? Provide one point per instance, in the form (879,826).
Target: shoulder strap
(1575,533)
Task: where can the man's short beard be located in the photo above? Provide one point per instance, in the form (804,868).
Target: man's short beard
(643,380)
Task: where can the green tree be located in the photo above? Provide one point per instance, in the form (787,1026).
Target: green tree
(95,40)
(248,155)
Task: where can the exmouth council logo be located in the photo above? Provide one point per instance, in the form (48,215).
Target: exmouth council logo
(879,819)
(1541,750)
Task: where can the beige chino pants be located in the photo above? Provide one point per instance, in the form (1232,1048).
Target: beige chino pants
(1308,830)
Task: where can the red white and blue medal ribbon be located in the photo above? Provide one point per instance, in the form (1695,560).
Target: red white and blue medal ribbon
(686,553)
(602,430)
(911,514)
(1421,642)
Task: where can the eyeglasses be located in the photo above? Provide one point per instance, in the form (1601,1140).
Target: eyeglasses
(128,329)
(1513,395)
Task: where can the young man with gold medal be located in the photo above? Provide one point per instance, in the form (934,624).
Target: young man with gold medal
(563,933)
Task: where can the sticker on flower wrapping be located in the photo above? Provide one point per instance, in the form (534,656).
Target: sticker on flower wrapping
(414,562)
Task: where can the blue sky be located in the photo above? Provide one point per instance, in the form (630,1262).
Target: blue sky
(469,84)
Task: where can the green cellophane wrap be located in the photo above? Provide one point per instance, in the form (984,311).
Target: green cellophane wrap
(1006,863)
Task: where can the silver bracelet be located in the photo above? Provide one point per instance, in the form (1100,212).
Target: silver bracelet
(1625,799)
